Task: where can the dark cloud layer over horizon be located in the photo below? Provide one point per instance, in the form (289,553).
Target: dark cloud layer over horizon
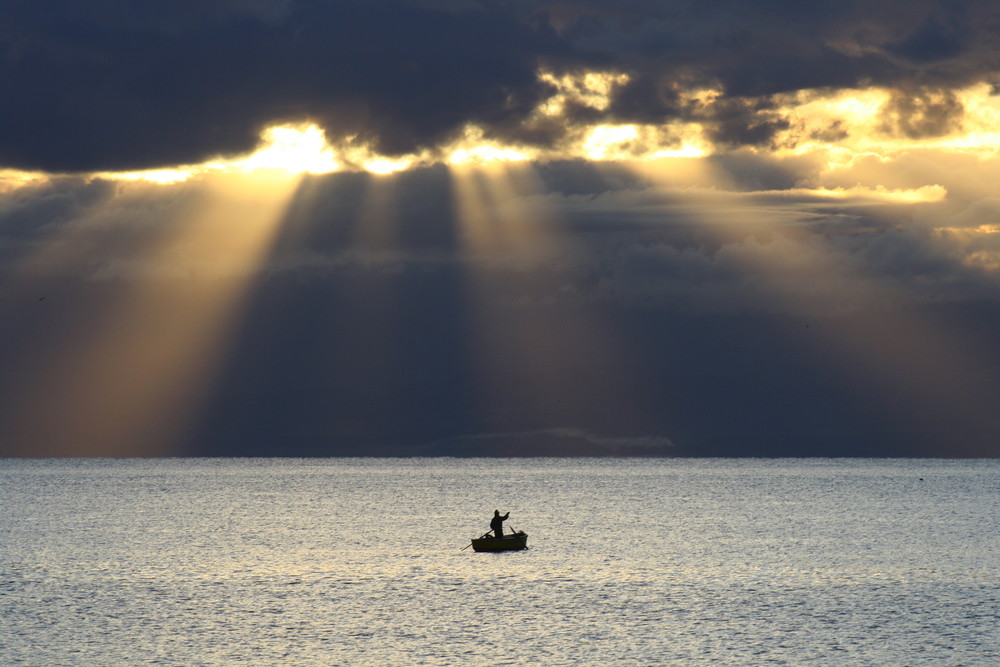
(102,86)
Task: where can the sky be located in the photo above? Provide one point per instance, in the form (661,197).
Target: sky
(505,227)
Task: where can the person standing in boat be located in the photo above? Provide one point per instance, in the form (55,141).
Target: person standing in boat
(497,523)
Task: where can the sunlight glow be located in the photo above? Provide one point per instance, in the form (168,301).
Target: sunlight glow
(355,156)
(687,150)
(698,98)
(295,149)
(474,150)
(383,166)
(12,179)
(589,89)
(974,246)
(292,149)
(858,107)
(606,139)
(925,194)
(839,127)
(848,123)
(159,176)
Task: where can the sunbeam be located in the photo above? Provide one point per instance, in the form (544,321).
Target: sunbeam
(920,371)
(534,342)
(133,377)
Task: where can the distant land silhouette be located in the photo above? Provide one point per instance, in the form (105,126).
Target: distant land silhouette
(574,442)
(549,442)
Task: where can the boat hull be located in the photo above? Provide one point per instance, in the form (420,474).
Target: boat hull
(513,542)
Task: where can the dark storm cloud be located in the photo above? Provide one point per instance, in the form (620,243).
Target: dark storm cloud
(753,51)
(937,39)
(168,83)
(737,122)
(750,51)
(921,112)
(103,85)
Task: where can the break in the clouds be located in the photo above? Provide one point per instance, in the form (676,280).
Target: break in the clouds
(101,86)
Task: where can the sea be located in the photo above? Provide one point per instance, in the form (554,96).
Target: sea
(630,562)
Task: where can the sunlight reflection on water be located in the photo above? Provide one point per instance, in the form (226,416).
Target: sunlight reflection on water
(350,561)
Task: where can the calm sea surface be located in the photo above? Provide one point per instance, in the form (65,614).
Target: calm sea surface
(644,562)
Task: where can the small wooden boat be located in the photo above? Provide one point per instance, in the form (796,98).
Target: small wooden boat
(513,542)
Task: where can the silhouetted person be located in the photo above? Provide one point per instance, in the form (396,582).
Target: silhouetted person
(497,523)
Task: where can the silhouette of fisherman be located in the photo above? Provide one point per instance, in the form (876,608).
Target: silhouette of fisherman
(496,523)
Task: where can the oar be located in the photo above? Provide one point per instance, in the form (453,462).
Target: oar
(517,532)
(479,538)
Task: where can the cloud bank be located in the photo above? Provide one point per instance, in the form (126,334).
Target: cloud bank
(98,86)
